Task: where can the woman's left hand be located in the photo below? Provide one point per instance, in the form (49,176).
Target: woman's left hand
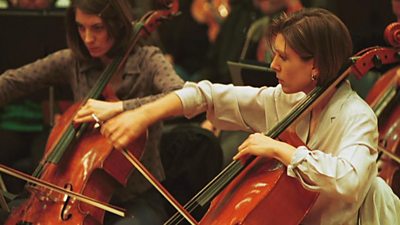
(260,145)
(101,109)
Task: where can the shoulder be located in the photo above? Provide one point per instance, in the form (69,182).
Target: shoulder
(60,60)
(285,99)
(147,51)
(62,53)
(62,56)
(145,55)
(354,103)
(351,106)
(150,49)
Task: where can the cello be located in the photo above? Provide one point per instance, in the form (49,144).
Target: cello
(389,143)
(79,159)
(384,100)
(212,13)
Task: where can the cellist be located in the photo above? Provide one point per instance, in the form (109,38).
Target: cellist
(339,159)
(96,33)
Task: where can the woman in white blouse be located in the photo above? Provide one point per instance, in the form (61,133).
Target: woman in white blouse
(341,134)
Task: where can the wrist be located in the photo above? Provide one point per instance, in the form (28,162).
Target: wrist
(165,107)
(285,153)
(119,107)
(150,113)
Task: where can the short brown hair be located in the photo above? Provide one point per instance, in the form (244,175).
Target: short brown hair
(117,26)
(315,33)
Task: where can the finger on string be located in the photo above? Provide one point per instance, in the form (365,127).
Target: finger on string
(84,109)
(90,118)
(241,156)
(237,156)
(78,119)
(85,119)
(244,144)
(83,113)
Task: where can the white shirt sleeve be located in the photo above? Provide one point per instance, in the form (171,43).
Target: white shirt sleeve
(228,107)
(231,107)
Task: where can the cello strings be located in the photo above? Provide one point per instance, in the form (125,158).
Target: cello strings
(70,133)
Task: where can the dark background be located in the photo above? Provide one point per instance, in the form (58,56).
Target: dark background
(27,35)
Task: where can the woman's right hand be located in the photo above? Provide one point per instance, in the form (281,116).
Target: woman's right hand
(125,127)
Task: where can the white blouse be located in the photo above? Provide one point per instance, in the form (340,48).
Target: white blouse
(341,162)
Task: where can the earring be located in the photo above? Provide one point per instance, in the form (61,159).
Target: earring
(313,76)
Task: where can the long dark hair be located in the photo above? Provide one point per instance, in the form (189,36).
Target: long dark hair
(315,33)
(117,26)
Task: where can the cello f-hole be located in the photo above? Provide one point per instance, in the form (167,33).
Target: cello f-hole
(65,215)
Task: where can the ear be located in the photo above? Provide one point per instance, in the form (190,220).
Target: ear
(315,70)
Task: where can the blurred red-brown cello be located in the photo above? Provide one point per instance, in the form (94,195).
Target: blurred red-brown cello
(384,98)
(212,13)
(80,168)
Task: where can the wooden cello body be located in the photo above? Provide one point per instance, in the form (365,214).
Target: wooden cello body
(263,188)
(91,167)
